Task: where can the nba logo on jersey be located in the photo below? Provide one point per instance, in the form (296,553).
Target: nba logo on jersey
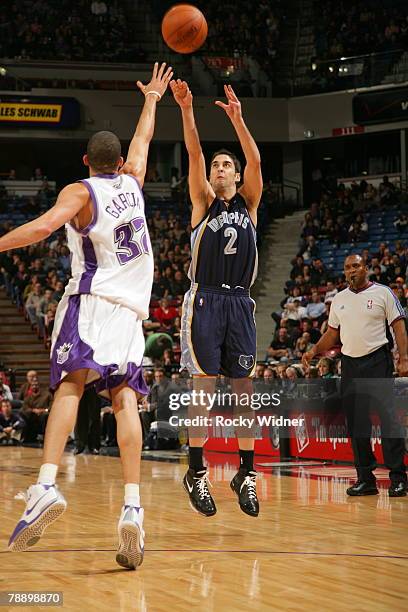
(63,352)
(369,304)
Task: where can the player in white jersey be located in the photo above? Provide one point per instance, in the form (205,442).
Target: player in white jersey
(98,335)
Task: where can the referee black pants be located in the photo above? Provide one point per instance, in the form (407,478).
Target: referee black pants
(367,385)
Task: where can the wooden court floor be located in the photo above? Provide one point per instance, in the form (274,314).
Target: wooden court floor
(311,548)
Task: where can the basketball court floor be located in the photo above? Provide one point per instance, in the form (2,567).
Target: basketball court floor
(312,548)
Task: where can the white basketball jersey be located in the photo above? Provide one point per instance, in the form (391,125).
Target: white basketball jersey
(112,257)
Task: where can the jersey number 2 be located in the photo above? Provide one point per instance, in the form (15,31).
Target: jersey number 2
(131,240)
(230,233)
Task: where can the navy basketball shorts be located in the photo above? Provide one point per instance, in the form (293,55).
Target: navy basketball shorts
(218,333)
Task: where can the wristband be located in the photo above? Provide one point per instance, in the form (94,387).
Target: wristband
(155,93)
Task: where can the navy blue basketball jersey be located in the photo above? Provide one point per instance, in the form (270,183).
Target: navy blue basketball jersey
(223,246)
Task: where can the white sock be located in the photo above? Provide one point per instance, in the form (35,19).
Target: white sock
(48,474)
(132,495)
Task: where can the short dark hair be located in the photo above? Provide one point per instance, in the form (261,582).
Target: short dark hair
(104,151)
(236,162)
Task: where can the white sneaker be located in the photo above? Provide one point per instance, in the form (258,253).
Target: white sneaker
(44,505)
(131,537)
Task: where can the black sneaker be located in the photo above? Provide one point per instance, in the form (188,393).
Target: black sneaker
(398,489)
(244,485)
(362,488)
(196,485)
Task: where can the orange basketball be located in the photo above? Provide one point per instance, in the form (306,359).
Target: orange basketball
(184,28)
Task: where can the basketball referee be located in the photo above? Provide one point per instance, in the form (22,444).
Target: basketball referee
(359,316)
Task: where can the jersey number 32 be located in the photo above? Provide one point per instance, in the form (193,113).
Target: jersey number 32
(131,240)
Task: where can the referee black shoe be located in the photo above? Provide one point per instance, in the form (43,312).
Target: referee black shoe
(196,485)
(244,485)
(398,489)
(362,488)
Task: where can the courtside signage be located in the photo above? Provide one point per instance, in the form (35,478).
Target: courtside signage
(10,111)
(381,106)
(39,112)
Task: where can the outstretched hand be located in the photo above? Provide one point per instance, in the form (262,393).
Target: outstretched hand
(181,93)
(233,108)
(159,81)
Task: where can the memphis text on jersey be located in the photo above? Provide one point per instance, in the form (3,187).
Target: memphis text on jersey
(226,218)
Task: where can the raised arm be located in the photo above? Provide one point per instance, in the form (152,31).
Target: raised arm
(136,160)
(251,188)
(201,192)
(69,202)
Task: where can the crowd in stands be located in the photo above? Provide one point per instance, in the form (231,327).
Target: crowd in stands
(237,30)
(90,30)
(341,217)
(345,28)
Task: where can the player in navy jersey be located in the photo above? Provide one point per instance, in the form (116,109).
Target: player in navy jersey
(218,327)
(98,336)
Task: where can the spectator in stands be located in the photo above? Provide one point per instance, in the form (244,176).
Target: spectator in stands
(35,412)
(11,424)
(5,392)
(310,249)
(387,192)
(157,400)
(315,309)
(33,303)
(42,309)
(294,312)
(12,175)
(306,326)
(259,370)
(26,388)
(19,283)
(326,367)
(64,260)
(378,277)
(58,291)
(38,175)
(303,345)
(179,285)
(280,349)
(99,9)
(331,291)
(318,273)
(37,268)
(401,222)
(165,314)
(297,268)
(268,374)
(161,286)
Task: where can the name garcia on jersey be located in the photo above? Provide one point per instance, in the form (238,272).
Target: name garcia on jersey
(122,202)
(226,218)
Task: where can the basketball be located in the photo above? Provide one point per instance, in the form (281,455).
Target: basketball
(184,28)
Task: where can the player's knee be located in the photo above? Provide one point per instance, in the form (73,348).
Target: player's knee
(124,398)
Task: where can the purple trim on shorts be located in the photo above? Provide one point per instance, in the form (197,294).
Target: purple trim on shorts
(91,265)
(85,231)
(81,356)
(133,377)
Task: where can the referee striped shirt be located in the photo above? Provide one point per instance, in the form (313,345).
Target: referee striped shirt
(362,315)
